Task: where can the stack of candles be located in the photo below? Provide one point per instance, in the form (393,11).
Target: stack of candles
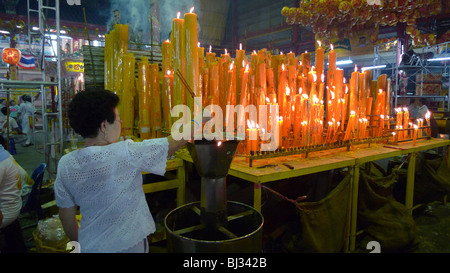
(315,108)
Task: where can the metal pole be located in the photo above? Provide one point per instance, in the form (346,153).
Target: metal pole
(59,96)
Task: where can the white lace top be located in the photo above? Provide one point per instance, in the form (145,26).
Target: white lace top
(106,182)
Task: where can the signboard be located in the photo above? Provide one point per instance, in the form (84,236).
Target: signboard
(72,66)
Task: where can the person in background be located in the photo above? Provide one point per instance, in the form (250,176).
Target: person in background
(26,111)
(104,179)
(423,109)
(13,109)
(10,203)
(13,127)
(413,108)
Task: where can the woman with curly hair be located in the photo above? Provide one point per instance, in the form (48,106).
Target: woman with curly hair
(104,179)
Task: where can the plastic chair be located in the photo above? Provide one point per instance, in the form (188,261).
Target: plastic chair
(34,199)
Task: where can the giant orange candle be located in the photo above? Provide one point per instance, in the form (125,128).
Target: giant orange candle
(240,57)
(191,53)
(306,57)
(214,84)
(231,100)
(354,87)
(332,59)
(405,122)
(244,99)
(320,51)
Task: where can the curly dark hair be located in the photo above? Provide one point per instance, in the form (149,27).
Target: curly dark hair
(88,109)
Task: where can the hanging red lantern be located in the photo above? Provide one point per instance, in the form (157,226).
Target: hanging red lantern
(11,56)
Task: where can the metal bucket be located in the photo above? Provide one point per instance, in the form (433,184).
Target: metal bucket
(242,233)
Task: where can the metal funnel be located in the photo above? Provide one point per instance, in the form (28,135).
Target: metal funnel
(212,159)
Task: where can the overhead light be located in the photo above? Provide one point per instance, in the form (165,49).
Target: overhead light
(342,62)
(373,67)
(439,59)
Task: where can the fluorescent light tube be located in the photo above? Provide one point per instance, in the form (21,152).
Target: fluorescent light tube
(439,59)
(342,62)
(373,67)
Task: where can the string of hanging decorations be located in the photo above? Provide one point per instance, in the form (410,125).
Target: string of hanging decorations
(339,19)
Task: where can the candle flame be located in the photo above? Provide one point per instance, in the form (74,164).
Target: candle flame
(168,72)
(323,77)
(198,44)
(300,90)
(282,67)
(332,95)
(219,143)
(314,77)
(380,91)
(168,40)
(288,90)
(305,96)
(356,68)
(332,47)
(210,48)
(231,66)
(405,109)
(226,51)
(243,63)
(319,42)
(416,127)
(178,15)
(240,46)
(352,112)
(268,100)
(191,10)
(246,68)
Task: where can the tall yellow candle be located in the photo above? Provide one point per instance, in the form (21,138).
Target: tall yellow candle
(155,100)
(166,52)
(167,99)
(144,98)
(127,97)
(179,60)
(191,53)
